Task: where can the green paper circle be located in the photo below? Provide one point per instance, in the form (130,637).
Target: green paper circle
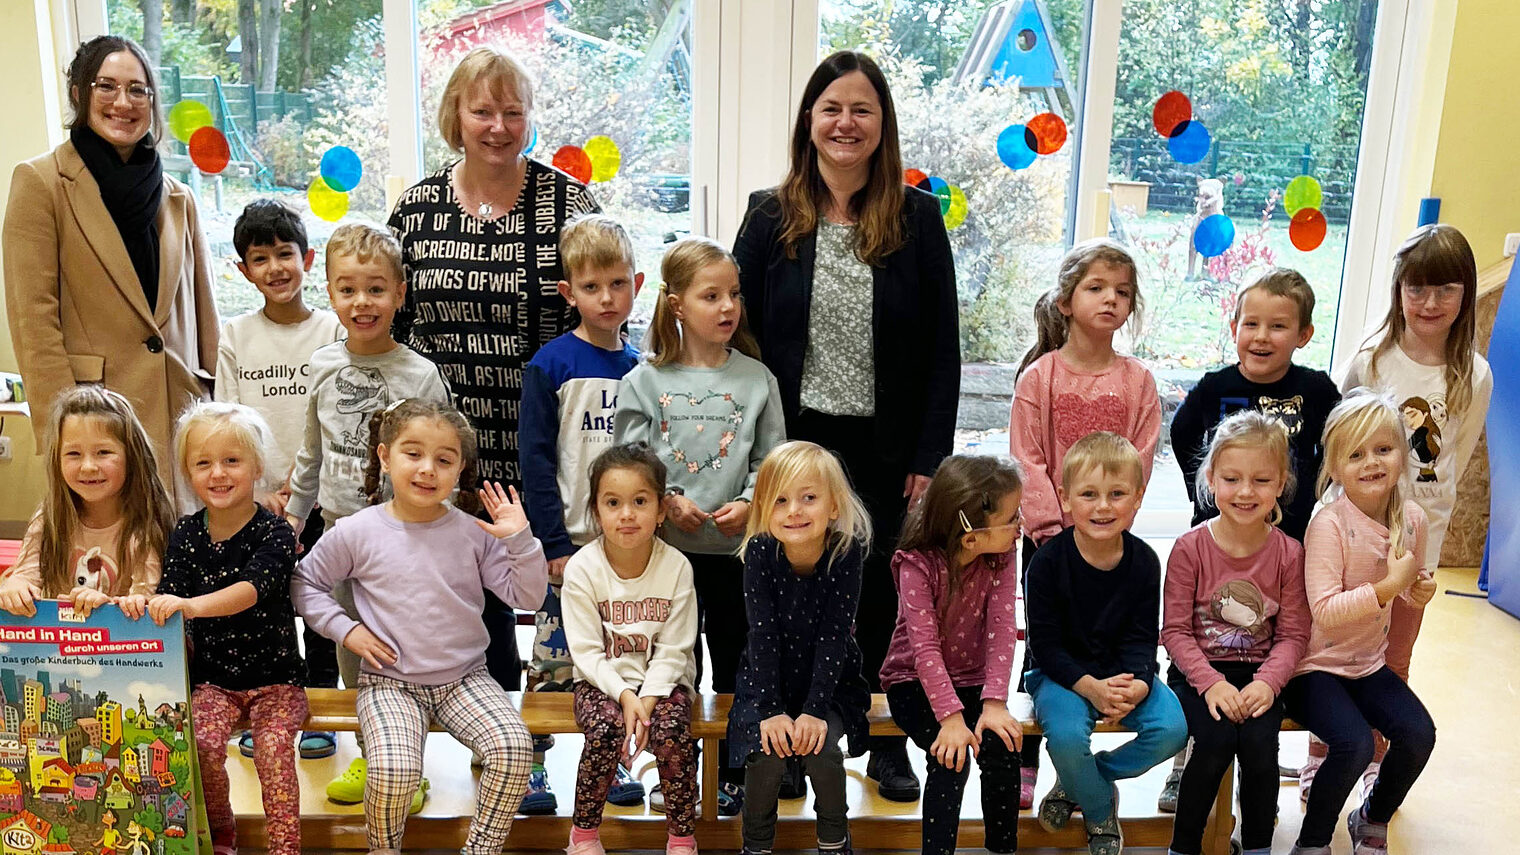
(186,118)
(1303,192)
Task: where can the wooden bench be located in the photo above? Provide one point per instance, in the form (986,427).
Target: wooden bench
(550,712)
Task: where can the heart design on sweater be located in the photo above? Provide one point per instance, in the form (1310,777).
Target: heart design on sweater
(716,409)
(1076,416)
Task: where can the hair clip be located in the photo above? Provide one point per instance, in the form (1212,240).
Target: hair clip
(393,405)
(965,523)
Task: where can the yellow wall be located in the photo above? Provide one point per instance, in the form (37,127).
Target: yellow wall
(1477,175)
(30,74)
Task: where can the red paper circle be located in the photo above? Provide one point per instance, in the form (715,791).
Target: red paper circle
(1172,110)
(1307,229)
(914,177)
(573,161)
(1049,132)
(209,151)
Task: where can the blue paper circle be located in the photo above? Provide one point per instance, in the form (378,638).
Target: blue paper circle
(1013,147)
(1214,235)
(341,168)
(1190,142)
(532,140)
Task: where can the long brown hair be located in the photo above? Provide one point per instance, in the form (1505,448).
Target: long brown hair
(965,487)
(1051,326)
(878,206)
(146,512)
(683,261)
(1436,254)
(387,424)
(83,69)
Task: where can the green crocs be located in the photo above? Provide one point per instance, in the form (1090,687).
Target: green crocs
(348,788)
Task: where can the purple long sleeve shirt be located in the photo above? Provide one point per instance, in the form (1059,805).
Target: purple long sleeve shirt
(419,587)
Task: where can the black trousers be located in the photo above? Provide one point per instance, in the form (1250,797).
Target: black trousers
(321,652)
(719,580)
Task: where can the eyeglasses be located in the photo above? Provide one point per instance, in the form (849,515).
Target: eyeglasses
(1448,293)
(106,90)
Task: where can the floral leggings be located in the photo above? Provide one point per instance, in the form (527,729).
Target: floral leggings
(600,718)
(276,713)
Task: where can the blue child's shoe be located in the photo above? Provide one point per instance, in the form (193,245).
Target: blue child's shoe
(540,800)
(626,790)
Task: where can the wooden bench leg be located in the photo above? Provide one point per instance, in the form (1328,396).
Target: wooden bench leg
(1216,835)
(710,764)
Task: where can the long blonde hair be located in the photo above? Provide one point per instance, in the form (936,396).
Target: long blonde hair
(683,261)
(1051,326)
(1250,429)
(1436,254)
(147,515)
(1359,415)
(783,467)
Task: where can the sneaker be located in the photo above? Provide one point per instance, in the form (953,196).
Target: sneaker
(245,743)
(1056,808)
(539,800)
(657,798)
(1306,777)
(1309,850)
(419,797)
(793,784)
(1028,777)
(893,775)
(1105,838)
(1367,837)
(348,788)
(1167,803)
(316,744)
(588,847)
(626,790)
(1369,780)
(1287,771)
(730,799)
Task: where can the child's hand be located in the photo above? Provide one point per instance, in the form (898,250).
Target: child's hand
(367,646)
(1224,699)
(996,718)
(1423,589)
(809,733)
(731,517)
(133,606)
(1103,695)
(1404,569)
(296,523)
(1256,698)
(1135,691)
(635,725)
(18,597)
(776,735)
(955,742)
(684,513)
(87,600)
(274,502)
(163,606)
(557,569)
(507,514)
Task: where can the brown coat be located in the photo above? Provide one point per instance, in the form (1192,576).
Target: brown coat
(77,311)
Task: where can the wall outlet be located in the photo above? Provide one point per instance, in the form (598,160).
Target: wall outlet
(1511,244)
(5,448)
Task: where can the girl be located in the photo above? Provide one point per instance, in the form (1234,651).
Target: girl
(228,570)
(1363,559)
(102,528)
(630,615)
(1071,384)
(1235,625)
(951,657)
(420,633)
(711,411)
(800,684)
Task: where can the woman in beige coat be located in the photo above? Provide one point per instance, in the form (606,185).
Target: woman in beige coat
(107,272)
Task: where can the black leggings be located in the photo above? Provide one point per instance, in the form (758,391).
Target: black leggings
(719,580)
(1029,758)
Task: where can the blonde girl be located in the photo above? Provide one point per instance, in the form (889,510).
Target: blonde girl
(419,634)
(630,613)
(1235,622)
(950,662)
(227,570)
(711,412)
(1364,577)
(800,684)
(103,525)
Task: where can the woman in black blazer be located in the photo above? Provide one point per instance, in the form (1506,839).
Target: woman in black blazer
(849,286)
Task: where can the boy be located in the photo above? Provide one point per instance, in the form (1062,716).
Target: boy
(1093,596)
(1273,318)
(569,397)
(350,380)
(264,361)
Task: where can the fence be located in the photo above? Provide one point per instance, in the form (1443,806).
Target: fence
(1261,166)
(245,110)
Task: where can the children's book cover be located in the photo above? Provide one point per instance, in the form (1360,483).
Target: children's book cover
(95,748)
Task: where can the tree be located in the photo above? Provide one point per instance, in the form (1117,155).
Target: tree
(182,12)
(153,29)
(269,43)
(150,819)
(248,37)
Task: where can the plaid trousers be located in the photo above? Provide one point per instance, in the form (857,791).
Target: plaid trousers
(394,715)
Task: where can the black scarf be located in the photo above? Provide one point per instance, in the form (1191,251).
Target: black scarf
(132,191)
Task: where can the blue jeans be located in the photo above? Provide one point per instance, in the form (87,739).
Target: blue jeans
(1068,721)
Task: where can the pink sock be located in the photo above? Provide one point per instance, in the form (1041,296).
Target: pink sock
(673,841)
(584,835)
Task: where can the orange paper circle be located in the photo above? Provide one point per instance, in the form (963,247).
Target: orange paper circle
(1172,110)
(1307,229)
(914,177)
(1049,132)
(573,161)
(209,151)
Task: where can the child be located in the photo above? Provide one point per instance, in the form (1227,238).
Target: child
(1093,598)
(631,623)
(1235,626)
(569,397)
(420,632)
(1363,571)
(800,685)
(350,381)
(228,570)
(711,411)
(263,361)
(106,518)
(1070,384)
(948,667)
